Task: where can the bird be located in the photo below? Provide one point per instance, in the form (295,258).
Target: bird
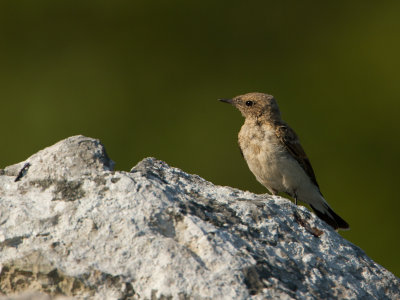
(275,156)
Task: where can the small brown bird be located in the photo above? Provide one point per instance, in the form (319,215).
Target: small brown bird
(274,155)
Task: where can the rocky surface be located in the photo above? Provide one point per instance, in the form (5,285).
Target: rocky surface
(71,226)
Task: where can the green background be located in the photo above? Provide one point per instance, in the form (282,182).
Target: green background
(144,77)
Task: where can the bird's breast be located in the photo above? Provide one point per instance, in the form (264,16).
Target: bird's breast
(263,152)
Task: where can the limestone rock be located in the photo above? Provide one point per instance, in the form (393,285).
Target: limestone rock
(71,226)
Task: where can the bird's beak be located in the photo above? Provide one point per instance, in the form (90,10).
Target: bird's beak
(230,101)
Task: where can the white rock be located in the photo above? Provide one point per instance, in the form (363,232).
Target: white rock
(73,227)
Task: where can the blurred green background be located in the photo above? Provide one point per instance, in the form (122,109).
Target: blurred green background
(144,77)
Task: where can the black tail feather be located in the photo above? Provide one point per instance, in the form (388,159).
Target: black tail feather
(330,217)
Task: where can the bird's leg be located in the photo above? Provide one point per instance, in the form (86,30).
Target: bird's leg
(295,197)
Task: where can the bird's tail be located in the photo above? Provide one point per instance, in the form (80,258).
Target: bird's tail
(326,213)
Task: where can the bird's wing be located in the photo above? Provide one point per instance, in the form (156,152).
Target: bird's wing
(289,139)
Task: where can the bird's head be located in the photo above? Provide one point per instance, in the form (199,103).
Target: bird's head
(255,105)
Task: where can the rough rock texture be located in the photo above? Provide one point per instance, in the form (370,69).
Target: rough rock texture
(71,226)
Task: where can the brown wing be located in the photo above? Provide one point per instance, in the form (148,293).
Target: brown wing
(289,138)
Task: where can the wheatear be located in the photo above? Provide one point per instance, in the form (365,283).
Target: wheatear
(274,155)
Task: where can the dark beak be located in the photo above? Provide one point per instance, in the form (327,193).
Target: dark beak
(230,101)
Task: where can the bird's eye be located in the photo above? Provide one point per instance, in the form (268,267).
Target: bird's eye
(249,103)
